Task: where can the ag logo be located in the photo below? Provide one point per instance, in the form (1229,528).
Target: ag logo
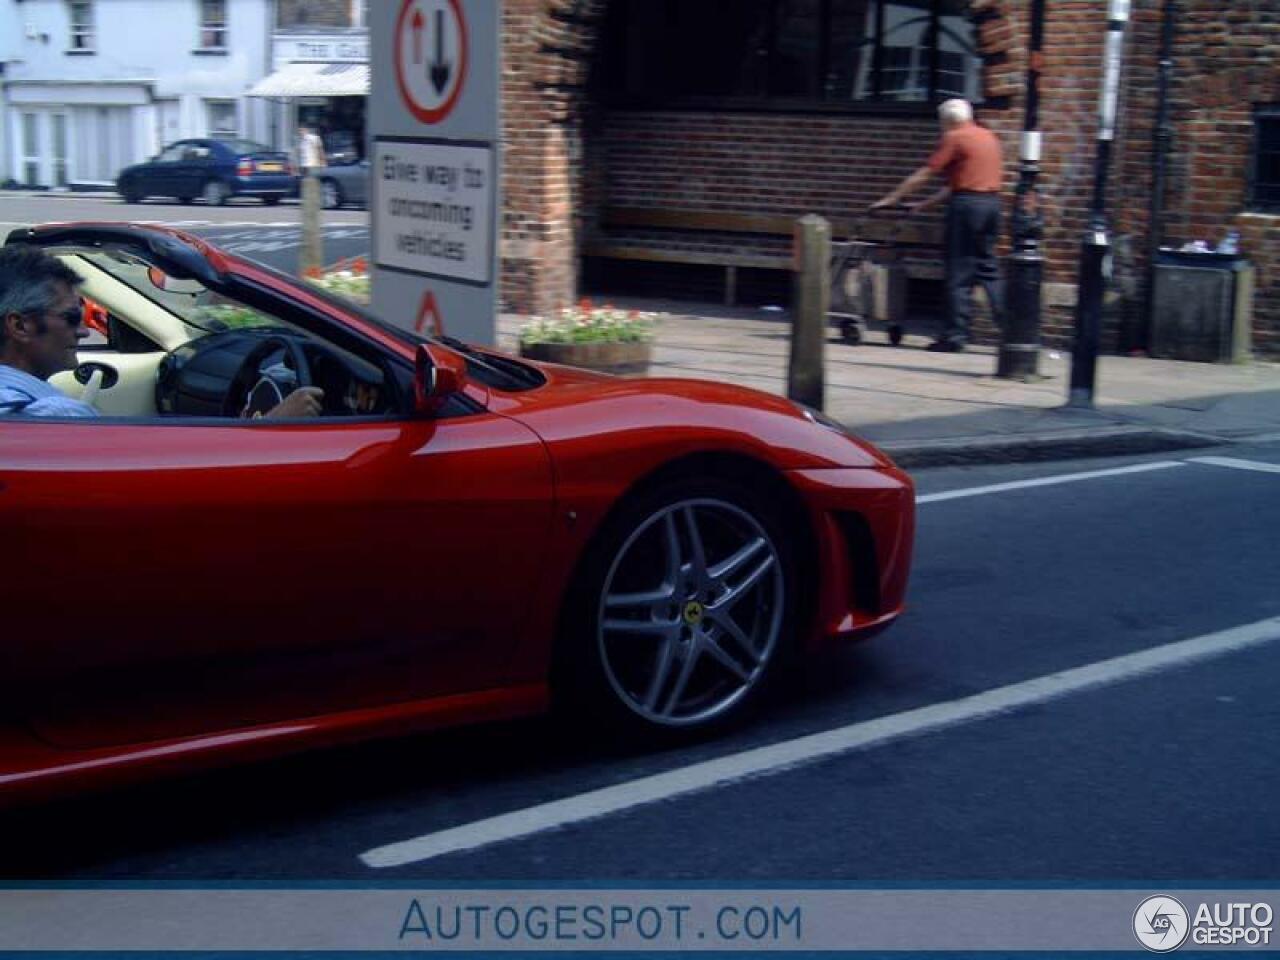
(1161,924)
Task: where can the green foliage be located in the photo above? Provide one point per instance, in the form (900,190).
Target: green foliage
(345,283)
(229,316)
(587,324)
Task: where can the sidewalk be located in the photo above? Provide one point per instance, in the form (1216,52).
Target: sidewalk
(929,409)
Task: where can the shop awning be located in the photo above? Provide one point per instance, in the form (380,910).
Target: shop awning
(315,80)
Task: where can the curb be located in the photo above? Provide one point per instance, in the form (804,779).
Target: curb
(64,194)
(1034,448)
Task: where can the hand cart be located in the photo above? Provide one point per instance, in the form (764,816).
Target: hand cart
(854,265)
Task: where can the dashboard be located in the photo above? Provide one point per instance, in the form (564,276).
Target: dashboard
(200,378)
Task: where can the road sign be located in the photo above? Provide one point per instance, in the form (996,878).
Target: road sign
(434,148)
(430,47)
(434,212)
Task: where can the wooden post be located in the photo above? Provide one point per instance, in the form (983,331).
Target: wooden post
(311,254)
(811,300)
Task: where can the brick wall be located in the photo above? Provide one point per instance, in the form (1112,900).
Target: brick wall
(546,51)
(1225,59)
(567,157)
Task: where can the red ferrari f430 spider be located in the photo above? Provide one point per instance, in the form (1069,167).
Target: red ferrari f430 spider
(458,536)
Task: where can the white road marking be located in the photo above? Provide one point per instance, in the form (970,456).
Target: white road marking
(766,761)
(1232,463)
(1047,481)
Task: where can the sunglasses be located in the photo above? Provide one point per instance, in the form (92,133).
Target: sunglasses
(72,316)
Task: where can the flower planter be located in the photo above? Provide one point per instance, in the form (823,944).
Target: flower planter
(630,357)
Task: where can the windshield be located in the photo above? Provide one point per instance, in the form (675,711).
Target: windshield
(205,309)
(246,146)
(190,300)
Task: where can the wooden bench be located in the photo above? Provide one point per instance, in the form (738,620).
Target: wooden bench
(891,229)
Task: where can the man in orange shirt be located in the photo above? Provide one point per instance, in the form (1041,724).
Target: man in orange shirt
(971,160)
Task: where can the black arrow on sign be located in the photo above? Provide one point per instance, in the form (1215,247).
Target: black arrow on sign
(440,69)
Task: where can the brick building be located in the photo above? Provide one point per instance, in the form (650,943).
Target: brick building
(785,107)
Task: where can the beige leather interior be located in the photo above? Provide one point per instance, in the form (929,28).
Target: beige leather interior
(134,395)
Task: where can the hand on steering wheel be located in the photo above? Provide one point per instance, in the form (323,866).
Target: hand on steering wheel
(249,376)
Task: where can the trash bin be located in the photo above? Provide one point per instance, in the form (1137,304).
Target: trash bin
(1203,307)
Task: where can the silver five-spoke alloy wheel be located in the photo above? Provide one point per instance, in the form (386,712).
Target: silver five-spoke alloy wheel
(691,612)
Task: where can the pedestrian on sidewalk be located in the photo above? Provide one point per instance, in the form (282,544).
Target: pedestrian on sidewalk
(969,157)
(310,151)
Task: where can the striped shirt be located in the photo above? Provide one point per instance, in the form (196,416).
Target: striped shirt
(24,395)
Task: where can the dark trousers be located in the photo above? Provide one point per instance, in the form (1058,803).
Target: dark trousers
(973,226)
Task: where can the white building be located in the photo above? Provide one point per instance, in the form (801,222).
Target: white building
(91,86)
(320,76)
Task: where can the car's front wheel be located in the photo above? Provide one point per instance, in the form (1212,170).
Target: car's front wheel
(684,609)
(215,193)
(129,192)
(330,194)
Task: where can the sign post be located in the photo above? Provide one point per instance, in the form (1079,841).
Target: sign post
(435,165)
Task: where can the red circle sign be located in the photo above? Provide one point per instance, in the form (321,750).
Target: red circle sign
(430,57)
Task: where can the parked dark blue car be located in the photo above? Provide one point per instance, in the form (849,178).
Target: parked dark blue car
(214,170)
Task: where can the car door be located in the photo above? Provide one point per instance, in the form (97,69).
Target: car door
(168,579)
(162,178)
(196,167)
(358,192)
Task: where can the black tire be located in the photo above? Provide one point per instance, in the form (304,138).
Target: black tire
(186,200)
(851,332)
(129,193)
(331,197)
(614,674)
(215,193)
(895,333)
(270,200)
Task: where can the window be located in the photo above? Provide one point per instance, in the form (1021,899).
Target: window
(314,13)
(1264,184)
(60,150)
(82,31)
(172,154)
(31,149)
(224,120)
(794,52)
(213,24)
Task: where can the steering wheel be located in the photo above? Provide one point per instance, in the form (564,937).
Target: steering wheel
(249,380)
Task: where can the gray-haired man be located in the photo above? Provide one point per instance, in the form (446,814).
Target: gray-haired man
(970,158)
(40,328)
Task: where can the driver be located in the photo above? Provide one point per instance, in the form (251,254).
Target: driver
(40,327)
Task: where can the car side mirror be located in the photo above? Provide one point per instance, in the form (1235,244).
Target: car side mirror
(439,373)
(171,284)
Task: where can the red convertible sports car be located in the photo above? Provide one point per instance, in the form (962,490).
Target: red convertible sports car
(459,536)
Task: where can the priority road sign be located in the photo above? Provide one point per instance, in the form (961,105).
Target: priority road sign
(434,145)
(430,49)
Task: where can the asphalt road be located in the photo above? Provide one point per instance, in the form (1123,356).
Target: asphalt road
(1168,774)
(270,234)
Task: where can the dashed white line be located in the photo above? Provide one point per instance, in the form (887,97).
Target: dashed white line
(1047,481)
(765,761)
(1231,463)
